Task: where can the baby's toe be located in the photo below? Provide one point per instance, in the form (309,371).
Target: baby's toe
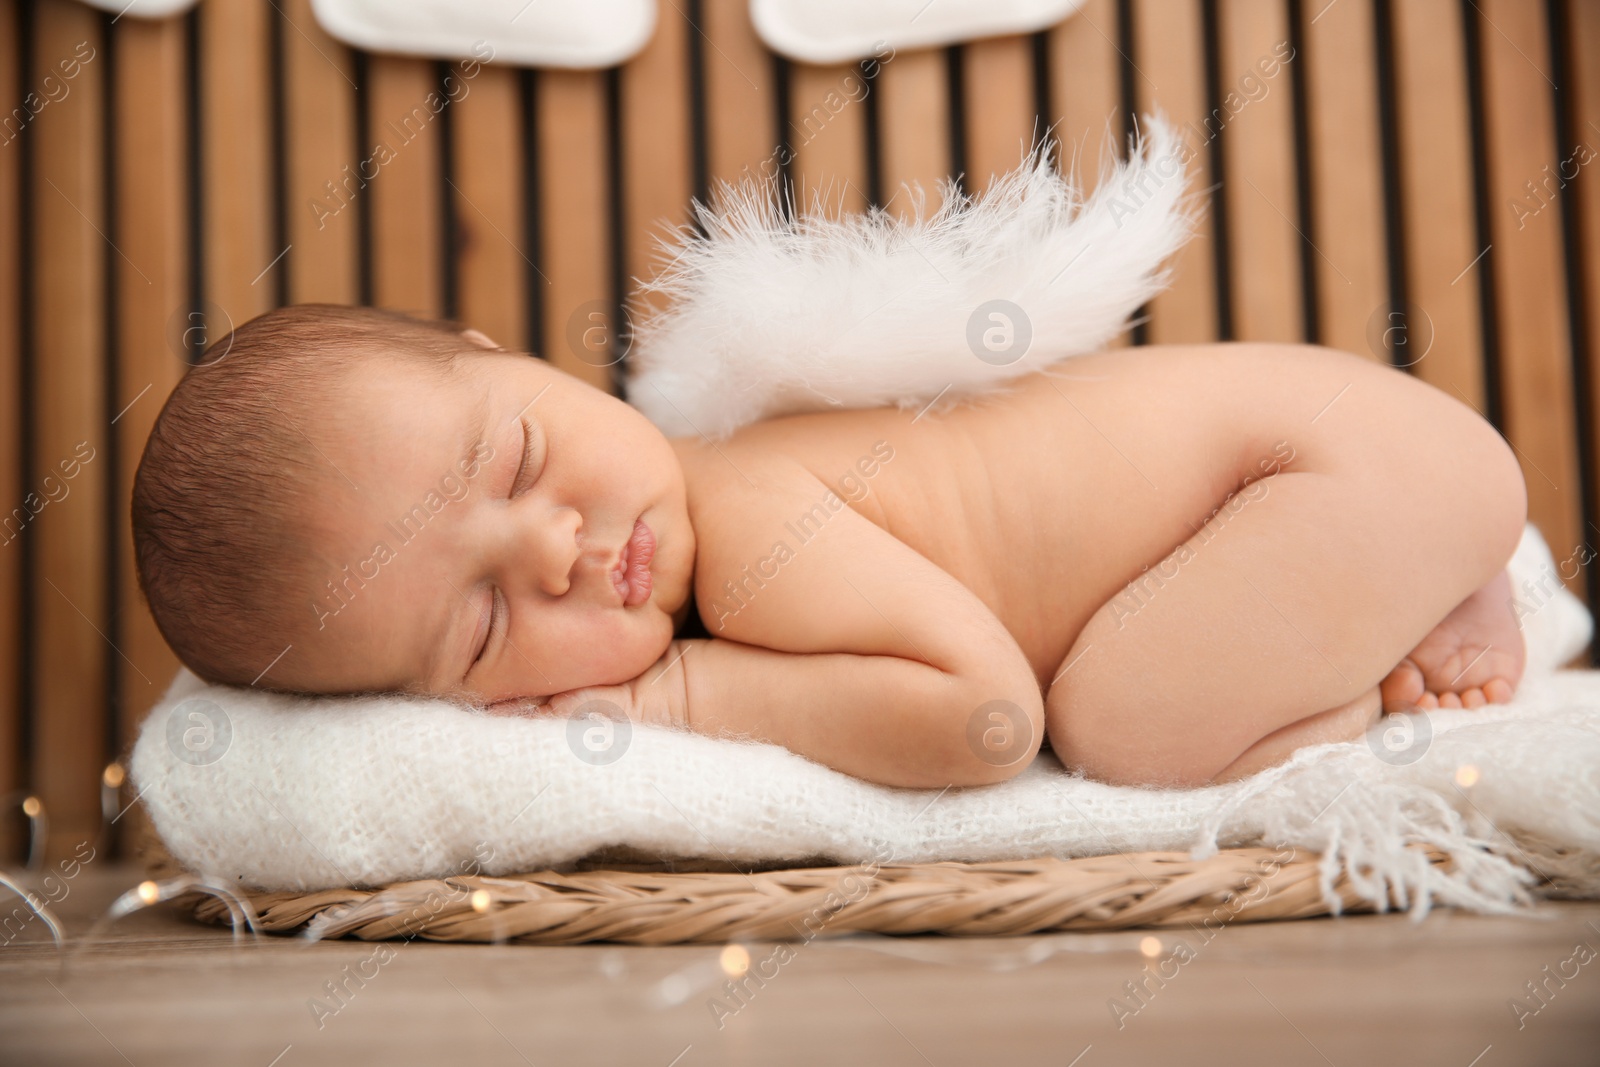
(1473,698)
(1428,702)
(1448,699)
(1498,690)
(1403,688)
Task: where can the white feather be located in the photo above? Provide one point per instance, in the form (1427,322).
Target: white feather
(767,315)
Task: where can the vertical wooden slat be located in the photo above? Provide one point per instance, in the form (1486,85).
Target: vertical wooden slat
(404,126)
(1525,225)
(914,127)
(150,117)
(1085,86)
(1351,271)
(998,82)
(574,212)
(11,402)
(827,118)
(740,95)
(1435,139)
(1258,144)
(1583,22)
(492,264)
(1086,96)
(1169,42)
(70,646)
(657,170)
(324,194)
(236,139)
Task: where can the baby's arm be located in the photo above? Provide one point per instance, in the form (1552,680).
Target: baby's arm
(858,652)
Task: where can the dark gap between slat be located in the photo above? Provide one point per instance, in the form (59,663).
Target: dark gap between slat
(620,337)
(195,339)
(27,330)
(449,231)
(1310,313)
(872,131)
(1394,213)
(1472,45)
(1042,126)
(956,88)
(1129,99)
(699,144)
(1221,245)
(363,138)
(110,355)
(531,232)
(784,149)
(1563,62)
(280,159)
(1127,92)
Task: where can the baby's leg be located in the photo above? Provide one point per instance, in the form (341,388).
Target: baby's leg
(1283,613)
(1346,723)
(1474,657)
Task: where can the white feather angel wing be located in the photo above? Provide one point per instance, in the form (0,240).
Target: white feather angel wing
(768,315)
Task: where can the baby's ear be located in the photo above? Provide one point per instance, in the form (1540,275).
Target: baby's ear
(478,338)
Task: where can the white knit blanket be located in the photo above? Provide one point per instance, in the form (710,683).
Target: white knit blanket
(257,789)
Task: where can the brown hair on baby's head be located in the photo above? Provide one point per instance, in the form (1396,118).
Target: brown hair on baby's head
(222,501)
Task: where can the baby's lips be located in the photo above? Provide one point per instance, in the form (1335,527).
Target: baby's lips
(637,576)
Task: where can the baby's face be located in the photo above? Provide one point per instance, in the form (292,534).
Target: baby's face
(472,529)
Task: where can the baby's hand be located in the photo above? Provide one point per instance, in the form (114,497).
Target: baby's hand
(656,697)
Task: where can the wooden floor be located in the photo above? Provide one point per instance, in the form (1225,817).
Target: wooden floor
(157,988)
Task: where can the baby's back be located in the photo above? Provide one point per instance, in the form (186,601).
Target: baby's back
(1042,500)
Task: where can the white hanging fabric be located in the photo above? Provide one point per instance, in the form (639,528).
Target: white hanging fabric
(579,34)
(840,31)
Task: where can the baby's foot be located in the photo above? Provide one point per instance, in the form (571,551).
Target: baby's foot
(1474,657)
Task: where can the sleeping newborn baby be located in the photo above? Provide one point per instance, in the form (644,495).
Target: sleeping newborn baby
(1174,564)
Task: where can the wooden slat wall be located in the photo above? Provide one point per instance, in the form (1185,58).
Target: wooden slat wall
(527,208)
(913,101)
(405,196)
(1527,265)
(998,80)
(1171,77)
(741,95)
(827,130)
(1350,266)
(1258,143)
(240,248)
(657,147)
(575,215)
(70,660)
(486,196)
(1583,22)
(1440,237)
(12,614)
(1086,102)
(323,201)
(151,300)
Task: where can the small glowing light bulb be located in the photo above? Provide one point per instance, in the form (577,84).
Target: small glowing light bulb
(1150,946)
(31,807)
(114,775)
(480,900)
(148,892)
(1467,775)
(735,960)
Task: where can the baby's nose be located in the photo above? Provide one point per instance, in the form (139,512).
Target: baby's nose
(557,551)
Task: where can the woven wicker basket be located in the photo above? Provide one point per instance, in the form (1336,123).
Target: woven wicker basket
(621,897)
